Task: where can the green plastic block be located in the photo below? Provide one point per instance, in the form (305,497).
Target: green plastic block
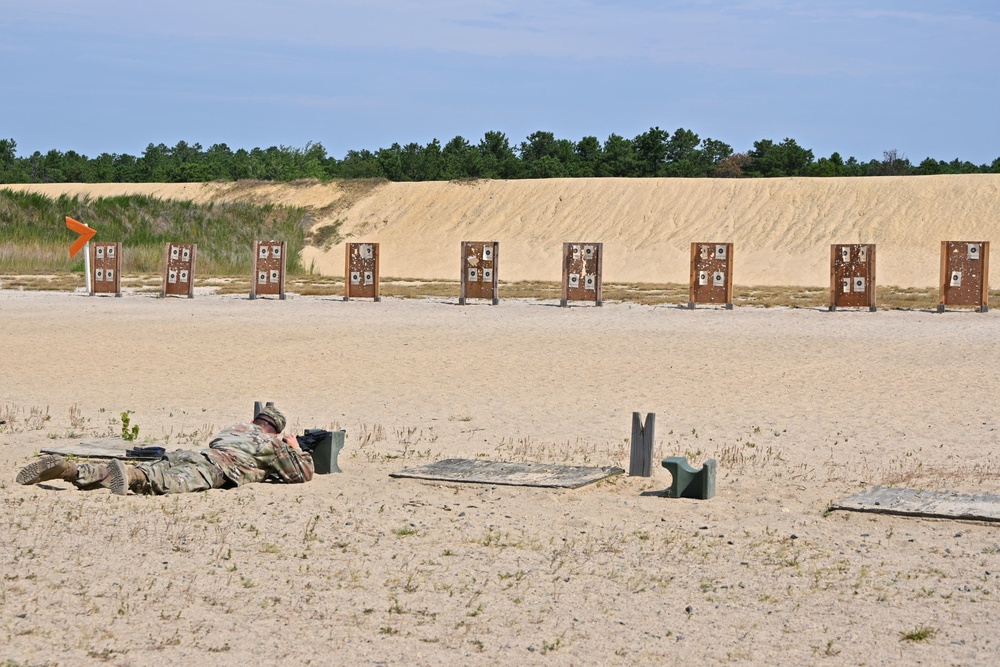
(689,482)
(325,454)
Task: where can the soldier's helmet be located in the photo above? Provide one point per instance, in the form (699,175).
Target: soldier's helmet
(273,415)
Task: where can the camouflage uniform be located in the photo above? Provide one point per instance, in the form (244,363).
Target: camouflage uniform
(240,454)
(90,475)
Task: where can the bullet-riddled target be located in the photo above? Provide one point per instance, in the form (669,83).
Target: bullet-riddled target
(361,271)
(711,274)
(852,276)
(478,275)
(178,270)
(965,267)
(105,268)
(269,269)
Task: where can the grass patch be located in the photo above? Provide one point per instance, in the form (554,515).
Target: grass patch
(920,634)
(306,284)
(36,240)
(327,236)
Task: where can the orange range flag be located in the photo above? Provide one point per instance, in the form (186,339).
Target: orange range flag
(86,233)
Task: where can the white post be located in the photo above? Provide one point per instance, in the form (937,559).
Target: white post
(86,263)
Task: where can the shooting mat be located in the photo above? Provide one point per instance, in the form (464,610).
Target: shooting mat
(510,474)
(910,502)
(106,448)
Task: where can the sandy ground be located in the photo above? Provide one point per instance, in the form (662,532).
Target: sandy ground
(781,228)
(800,407)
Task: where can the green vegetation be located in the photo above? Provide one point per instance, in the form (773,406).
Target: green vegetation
(654,153)
(35,239)
(921,634)
(129,434)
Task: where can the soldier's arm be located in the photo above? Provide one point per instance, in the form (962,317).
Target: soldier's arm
(291,464)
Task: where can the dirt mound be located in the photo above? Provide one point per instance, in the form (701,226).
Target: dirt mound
(781,228)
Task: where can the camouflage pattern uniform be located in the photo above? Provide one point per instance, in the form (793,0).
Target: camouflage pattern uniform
(90,475)
(240,454)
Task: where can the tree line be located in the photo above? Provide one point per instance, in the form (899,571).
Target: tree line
(655,153)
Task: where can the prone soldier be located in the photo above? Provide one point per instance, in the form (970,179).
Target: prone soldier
(241,454)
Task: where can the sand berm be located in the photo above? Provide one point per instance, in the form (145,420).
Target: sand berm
(781,228)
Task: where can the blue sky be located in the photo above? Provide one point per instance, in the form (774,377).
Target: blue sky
(856,77)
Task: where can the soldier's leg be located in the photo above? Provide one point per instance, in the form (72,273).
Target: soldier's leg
(91,476)
(81,475)
(46,468)
(122,478)
(85,476)
(182,472)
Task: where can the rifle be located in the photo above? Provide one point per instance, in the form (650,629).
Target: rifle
(310,439)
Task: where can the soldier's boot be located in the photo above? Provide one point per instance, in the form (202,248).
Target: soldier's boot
(123,478)
(138,481)
(105,474)
(47,468)
(91,476)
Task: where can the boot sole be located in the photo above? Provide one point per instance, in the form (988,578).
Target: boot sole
(118,477)
(33,473)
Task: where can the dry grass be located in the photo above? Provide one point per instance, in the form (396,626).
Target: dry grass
(528,289)
(60,282)
(228,284)
(791,297)
(17,419)
(403,288)
(889,297)
(941,477)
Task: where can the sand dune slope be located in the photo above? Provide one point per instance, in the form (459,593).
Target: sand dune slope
(781,228)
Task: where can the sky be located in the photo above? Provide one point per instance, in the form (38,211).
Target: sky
(858,77)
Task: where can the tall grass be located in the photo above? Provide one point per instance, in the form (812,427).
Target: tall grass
(34,238)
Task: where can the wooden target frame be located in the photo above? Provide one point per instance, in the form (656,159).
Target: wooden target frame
(583,264)
(852,276)
(106,268)
(178,270)
(268,269)
(478,272)
(361,271)
(711,274)
(965,270)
